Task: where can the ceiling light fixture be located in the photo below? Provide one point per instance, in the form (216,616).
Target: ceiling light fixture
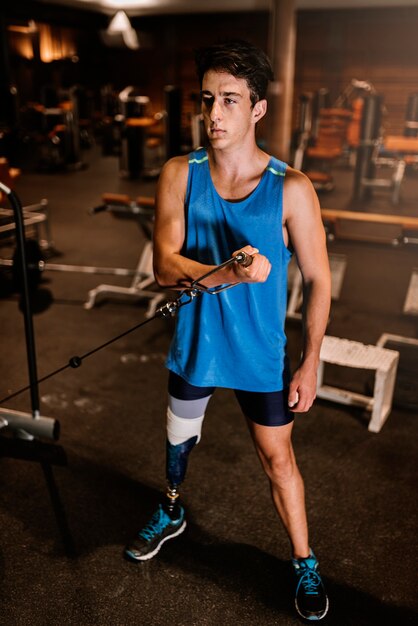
(120,25)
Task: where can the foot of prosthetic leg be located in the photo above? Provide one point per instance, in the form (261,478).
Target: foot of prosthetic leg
(171,504)
(176,467)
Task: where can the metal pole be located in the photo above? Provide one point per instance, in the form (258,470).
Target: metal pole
(369,134)
(26,306)
(411,121)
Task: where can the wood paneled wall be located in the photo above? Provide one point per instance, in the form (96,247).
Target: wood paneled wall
(333,46)
(379,45)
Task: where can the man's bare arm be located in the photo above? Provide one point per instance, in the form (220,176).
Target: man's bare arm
(304,225)
(171,268)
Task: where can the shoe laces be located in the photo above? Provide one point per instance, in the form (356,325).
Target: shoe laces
(158,522)
(309,577)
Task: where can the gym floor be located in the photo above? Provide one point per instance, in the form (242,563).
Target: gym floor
(63,532)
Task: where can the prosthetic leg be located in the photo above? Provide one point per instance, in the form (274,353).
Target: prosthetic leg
(168,521)
(182,435)
(177,457)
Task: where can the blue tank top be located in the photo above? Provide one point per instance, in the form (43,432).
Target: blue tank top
(234,339)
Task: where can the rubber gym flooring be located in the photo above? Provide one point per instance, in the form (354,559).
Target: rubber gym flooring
(64,521)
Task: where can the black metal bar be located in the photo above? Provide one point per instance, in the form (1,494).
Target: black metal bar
(26,305)
(369,134)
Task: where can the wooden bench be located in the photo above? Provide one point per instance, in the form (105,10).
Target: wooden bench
(354,354)
(391,227)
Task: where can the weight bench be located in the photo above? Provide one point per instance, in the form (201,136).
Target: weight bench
(354,354)
(373,227)
(397,151)
(142,209)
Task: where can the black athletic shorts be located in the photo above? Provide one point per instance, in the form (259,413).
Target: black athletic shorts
(265,408)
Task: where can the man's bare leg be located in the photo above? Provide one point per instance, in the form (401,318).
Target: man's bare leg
(274,448)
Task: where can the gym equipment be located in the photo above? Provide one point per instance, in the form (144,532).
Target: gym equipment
(398,152)
(354,354)
(369,136)
(353,90)
(51,131)
(35,221)
(406,392)
(136,119)
(329,145)
(373,227)
(329,131)
(142,140)
(35,216)
(36,266)
(133,144)
(411,118)
(23,424)
(141,209)
(411,301)
(304,132)
(320,100)
(60,126)
(169,309)
(310,106)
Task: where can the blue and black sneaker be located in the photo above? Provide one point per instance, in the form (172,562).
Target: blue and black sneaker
(310,598)
(159,529)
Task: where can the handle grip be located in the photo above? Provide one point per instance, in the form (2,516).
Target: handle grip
(243,259)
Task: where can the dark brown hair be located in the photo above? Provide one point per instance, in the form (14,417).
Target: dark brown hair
(240,59)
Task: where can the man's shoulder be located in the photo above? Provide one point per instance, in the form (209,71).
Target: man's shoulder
(175,171)
(299,195)
(176,164)
(296,182)
(179,165)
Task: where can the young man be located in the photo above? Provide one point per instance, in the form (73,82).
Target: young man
(212,204)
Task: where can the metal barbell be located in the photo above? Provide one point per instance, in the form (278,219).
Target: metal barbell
(36,266)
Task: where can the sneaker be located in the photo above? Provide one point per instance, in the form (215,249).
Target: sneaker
(159,529)
(310,599)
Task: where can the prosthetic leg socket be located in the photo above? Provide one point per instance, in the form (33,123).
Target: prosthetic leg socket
(176,466)
(176,460)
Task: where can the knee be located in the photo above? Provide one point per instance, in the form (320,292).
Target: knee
(281,467)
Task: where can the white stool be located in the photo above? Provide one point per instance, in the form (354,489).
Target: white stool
(354,354)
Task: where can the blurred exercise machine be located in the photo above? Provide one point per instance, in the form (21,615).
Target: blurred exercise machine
(142,210)
(143,140)
(370,227)
(328,132)
(377,151)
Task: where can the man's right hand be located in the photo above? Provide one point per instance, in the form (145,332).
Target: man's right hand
(259,269)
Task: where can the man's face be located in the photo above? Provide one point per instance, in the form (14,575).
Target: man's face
(226,107)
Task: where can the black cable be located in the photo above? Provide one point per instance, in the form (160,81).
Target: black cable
(76,361)
(168,309)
